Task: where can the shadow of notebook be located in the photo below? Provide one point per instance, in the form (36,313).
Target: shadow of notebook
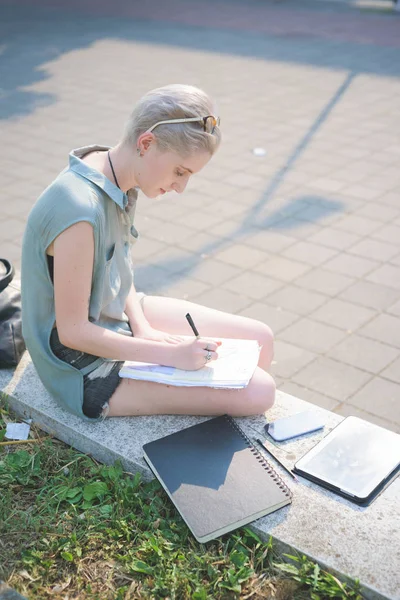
(216,478)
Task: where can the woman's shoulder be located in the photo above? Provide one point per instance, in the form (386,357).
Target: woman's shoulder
(69,195)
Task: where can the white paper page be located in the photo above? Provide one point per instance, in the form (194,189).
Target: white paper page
(236,363)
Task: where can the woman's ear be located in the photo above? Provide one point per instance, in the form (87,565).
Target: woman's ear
(144,142)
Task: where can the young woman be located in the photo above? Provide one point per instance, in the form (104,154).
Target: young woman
(82,316)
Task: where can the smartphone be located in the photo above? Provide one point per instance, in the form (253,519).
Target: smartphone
(295,425)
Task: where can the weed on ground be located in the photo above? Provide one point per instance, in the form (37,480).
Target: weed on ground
(71,528)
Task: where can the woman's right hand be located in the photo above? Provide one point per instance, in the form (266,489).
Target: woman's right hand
(191,354)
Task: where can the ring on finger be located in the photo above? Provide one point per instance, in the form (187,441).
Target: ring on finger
(208,356)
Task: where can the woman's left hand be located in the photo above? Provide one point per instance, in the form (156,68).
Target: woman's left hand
(155,335)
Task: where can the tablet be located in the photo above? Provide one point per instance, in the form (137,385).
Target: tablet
(357,459)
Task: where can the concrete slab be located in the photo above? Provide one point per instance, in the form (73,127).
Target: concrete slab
(351,540)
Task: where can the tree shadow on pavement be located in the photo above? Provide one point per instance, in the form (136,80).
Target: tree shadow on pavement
(33,37)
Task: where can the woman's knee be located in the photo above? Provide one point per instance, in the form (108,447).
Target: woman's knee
(262,394)
(257,397)
(263,333)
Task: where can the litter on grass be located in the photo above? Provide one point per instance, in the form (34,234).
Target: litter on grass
(18,431)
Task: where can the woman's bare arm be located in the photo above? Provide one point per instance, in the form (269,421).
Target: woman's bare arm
(134,312)
(73,268)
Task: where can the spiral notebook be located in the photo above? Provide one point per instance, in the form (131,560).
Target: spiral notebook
(216,477)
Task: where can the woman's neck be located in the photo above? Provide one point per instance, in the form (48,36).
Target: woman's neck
(122,160)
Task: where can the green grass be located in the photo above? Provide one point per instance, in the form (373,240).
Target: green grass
(71,528)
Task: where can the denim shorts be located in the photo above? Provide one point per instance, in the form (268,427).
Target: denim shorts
(99,383)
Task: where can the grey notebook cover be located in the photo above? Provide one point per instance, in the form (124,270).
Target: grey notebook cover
(216,478)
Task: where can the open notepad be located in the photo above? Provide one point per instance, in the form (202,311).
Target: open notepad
(236,363)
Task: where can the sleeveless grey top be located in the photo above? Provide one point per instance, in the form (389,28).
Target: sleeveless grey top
(79,193)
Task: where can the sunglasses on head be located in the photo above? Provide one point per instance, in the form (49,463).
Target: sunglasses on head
(209,123)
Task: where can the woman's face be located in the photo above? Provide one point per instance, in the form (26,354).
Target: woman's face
(160,172)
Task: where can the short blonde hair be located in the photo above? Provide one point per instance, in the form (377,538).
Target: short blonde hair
(175,101)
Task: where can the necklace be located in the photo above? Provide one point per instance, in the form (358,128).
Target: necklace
(112,169)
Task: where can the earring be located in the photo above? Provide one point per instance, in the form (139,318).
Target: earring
(138,151)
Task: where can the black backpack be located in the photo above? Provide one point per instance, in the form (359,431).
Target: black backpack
(12,345)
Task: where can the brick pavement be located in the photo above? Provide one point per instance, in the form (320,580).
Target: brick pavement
(306,238)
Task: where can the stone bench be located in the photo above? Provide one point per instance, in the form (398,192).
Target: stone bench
(348,539)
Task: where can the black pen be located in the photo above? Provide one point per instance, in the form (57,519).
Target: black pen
(277,460)
(192,325)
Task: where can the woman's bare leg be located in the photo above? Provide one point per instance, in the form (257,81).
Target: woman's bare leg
(134,397)
(168,314)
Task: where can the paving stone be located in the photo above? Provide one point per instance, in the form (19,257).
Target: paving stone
(354,266)
(388,275)
(313,336)
(384,328)
(318,212)
(200,242)
(297,228)
(199,220)
(146,248)
(391,198)
(364,353)
(270,241)
(342,314)
(277,319)
(175,260)
(392,372)
(378,211)
(395,260)
(242,256)
(228,228)
(388,233)
(150,279)
(185,288)
(370,294)
(348,410)
(252,285)
(394,309)
(245,180)
(313,168)
(227,208)
(12,252)
(214,272)
(169,232)
(223,300)
(330,377)
(312,254)
(358,225)
(379,397)
(290,387)
(362,191)
(326,282)
(289,359)
(281,268)
(375,249)
(296,299)
(11,229)
(334,238)
(327,185)
(145,224)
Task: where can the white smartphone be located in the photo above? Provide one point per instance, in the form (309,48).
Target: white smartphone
(295,425)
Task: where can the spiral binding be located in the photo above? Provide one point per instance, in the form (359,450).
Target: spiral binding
(263,461)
